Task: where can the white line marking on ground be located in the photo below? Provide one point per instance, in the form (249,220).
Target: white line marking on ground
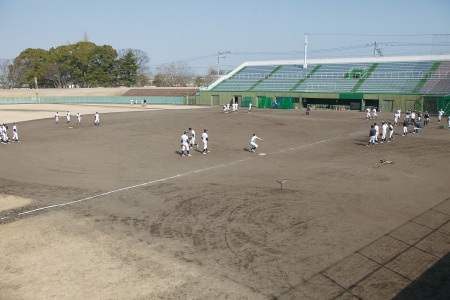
(167,178)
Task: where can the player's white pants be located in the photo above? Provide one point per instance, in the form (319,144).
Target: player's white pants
(57,119)
(391,133)
(192,140)
(205,145)
(185,147)
(254,145)
(405,129)
(15,136)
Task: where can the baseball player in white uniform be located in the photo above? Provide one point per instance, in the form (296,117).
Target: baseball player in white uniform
(68,116)
(184,144)
(374,113)
(57,118)
(440,114)
(96,119)
(192,138)
(249,107)
(205,141)
(15,134)
(384,128)
(78,118)
(4,132)
(253,142)
(368,113)
(391,132)
(377,129)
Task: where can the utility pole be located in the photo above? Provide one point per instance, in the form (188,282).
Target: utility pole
(219,56)
(376,50)
(305,65)
(37,91)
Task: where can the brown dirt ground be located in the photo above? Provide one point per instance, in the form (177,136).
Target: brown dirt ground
(114,212)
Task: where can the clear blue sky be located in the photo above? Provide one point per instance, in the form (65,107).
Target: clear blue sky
(196,30)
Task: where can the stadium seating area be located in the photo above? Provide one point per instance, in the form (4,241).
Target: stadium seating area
(396,77)
(246,78)
(385,77)
(439,81)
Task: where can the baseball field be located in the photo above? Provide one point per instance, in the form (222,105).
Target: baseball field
(114,212)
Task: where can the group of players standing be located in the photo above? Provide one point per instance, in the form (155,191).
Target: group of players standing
(4,134)
(411,118)
(188,142)
(79,116)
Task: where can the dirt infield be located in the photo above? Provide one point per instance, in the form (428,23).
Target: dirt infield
(114,211)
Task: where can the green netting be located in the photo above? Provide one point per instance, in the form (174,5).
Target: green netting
(285,103)
(444,104)
(246,101)
(265,102)
(92,99)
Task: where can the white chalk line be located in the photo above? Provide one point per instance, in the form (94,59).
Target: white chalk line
(165,179)
(126,188)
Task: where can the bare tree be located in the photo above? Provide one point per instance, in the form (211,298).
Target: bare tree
(56,73)
(11,72)
(174,74)
(4,73)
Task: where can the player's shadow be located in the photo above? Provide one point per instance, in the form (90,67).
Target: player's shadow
(360,143)
(246,149)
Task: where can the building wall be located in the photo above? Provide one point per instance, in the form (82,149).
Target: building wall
(391,101)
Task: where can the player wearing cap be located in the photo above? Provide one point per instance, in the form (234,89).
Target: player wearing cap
(78,118)
(253,142)
(440,114)
(384,128)
(68,116)
(205,141)
(193,138)
(15,134)
(96,119)
(391,132)
(4,132)
(57,118)
(184,144)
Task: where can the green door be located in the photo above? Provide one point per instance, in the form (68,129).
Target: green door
(215,99)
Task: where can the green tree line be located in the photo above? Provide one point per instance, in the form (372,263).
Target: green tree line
(83,64)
